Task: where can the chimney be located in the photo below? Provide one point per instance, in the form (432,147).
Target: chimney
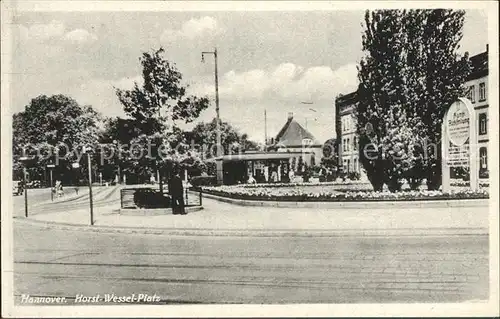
(487,47)
(290,115)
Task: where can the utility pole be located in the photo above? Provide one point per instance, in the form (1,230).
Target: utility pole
(25,193)
(89,155)
(51,167)
(217,125)
(26,161)
(265,130)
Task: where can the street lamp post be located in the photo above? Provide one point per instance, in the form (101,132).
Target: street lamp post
(50,167)
(75,165)
(25,160)
(25,192)
(217,125)
(88,151)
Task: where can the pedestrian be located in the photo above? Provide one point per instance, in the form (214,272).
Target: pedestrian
(251,180)
(176,191)
(274,176)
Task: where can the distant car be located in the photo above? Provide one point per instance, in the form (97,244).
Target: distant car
(17,188)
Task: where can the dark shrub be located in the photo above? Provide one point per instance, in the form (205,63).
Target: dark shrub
(150,198)
(198,181)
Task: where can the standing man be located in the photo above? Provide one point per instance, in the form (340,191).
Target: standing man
(176,191)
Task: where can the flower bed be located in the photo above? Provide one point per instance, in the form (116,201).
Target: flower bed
(270,185)
(462,183)
(300,194)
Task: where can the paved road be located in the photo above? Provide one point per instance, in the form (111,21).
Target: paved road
(250,270)
(39,201)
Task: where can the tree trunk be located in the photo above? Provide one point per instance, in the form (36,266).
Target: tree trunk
(434,176)
(376,179)
(394,184)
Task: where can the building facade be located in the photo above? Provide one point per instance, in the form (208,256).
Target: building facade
(477,82)
(293,138)
(347,132)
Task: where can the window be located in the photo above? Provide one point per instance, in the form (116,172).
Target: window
(355,164)
(343,144)
(355,143)
(348,145)
(348,165)
(482,124)
(483,158)
(307,142)
(472,94)
(482,91)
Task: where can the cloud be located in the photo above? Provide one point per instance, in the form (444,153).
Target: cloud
(42,32)
(285,81)
(80,36)
(192,28)
(127,83)
(54,30)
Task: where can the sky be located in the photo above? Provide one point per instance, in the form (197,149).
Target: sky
(267,61)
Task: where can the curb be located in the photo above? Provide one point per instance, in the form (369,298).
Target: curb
(355,204)
(401,232)
(155,211)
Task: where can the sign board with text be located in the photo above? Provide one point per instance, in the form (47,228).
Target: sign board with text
(459,142)
(458,123)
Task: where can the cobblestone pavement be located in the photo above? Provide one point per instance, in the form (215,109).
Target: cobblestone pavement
(251,270)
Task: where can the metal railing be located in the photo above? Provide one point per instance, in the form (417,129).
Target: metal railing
(191,197)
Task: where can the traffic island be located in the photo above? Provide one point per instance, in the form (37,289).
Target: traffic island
(147,201)
(341,196)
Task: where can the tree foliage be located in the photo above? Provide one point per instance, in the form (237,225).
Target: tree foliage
(330,157)
(50,126)
(162,97)
(204,136)
(154,108)
(408,77)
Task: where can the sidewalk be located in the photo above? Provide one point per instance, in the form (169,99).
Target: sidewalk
(219,218)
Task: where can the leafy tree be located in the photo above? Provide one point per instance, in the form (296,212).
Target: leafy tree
(161,99)
(54,129)
(410,74)
(330,157)
(116,134)
(203,135)
(119,130)
(435,80)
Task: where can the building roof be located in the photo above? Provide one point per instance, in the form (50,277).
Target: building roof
(292,134)
(347,99)
(479,65)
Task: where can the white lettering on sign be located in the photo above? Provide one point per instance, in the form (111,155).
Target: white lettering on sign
(458,123)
